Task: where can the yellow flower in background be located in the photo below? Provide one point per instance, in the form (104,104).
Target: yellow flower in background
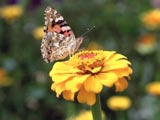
(94,46)
(4,79)
(11,12)
(85,115)
(153,88)
(146,44)
(87,72)
(38,32)
(118,103)
(151,19)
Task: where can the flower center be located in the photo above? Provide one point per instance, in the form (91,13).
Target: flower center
(86,56)
(89,62)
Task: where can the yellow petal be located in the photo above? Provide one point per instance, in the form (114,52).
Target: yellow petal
(63,67)
(86,97)
(75,84)
(121,85)
(91,100)
(81,96)
(68,95)
(57,78)
(92,85)
(96,69)
(116,57)
(125,72)
(58,88)
(62,71)
(109,54)
(115,65)
(107,79)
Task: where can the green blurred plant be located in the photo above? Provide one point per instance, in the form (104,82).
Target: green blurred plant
(118,27)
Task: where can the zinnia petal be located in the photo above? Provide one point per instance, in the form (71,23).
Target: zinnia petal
(121,85)
(58,70)
(116,57)
(75,84)
(108,54)
(58,88)
(92,85)
(63,67)
(86,97)
(116,65)
(68,95)
(124,72)
(107,79)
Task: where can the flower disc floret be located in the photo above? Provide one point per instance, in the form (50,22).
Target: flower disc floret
(88,62)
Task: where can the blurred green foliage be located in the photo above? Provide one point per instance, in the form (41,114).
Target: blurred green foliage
(118,27)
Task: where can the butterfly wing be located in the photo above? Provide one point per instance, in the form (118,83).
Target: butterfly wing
(54,22)
(59,40)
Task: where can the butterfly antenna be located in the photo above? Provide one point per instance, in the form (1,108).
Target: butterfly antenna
(88,30)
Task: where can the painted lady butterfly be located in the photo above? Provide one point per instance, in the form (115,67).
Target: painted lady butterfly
(59,41)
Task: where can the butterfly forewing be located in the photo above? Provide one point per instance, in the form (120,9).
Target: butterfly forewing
(58,41)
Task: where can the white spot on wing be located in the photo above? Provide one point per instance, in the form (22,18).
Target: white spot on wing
(64,28)
(58,19)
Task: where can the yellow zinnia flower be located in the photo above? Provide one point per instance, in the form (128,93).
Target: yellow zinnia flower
(4,79)
(87,72)
(85,115)
(151,19)
(38,32)
(146,44)
(153,88)
(118,103)
(11,12)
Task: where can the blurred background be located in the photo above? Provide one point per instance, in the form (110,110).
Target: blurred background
(129,27)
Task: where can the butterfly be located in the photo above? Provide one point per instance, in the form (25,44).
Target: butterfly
(59,40)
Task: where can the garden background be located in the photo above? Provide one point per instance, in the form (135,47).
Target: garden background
(120,25)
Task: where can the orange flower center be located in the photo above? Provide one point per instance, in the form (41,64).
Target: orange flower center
(87,55)
(89,62)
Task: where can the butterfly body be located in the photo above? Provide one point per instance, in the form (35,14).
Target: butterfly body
(59,41)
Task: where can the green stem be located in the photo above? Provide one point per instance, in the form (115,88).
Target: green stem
(70,110)
(96,109)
